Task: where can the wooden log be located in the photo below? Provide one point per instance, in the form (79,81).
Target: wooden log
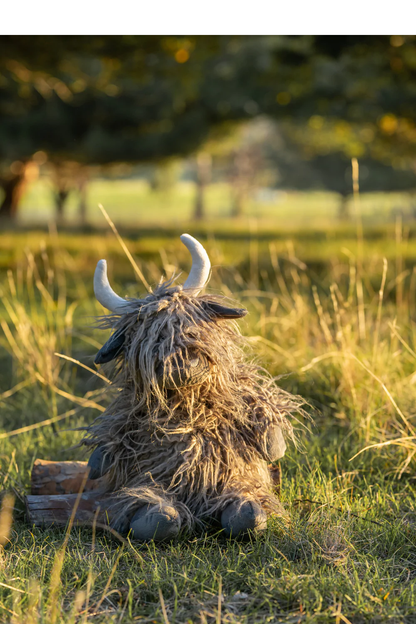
(66,477)
(56,509)
(55,487)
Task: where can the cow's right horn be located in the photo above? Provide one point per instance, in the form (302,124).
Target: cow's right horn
(199,273)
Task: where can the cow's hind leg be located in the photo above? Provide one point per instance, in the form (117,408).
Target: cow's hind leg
(243,516)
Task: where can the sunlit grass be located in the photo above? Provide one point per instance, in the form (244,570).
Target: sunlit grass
(348,553)
(134,203)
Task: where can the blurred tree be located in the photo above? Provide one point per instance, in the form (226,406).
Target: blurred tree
(14,181)
(323,160)
(82,182)
(107,99)
(97,101)
(203,165)
(68,177)
(244,170)
(165,175)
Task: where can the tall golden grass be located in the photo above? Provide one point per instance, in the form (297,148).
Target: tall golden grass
(350,342)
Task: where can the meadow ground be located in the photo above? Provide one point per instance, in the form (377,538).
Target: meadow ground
(133,202)
(335,317)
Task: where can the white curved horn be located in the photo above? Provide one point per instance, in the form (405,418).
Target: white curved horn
(103,291)
(201,265)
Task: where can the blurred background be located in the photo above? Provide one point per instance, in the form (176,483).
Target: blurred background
(218,129)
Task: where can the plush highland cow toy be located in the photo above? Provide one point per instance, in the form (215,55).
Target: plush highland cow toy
(192,427)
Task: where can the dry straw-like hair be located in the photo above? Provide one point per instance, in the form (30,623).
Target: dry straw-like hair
(199,446)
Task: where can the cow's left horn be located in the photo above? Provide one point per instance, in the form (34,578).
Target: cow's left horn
(103,291)
(201,265)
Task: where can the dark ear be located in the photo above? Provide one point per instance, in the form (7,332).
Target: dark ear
(217,311)
(112,348)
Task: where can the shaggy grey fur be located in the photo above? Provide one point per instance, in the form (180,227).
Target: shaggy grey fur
(196,447)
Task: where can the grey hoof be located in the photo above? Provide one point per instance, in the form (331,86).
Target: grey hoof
(99,463)
(160,525)
(240,517)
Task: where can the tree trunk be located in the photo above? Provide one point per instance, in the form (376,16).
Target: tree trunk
(344,208)
(82,206)
(241,181)
(238,203)
(199,210)
(60,200)
(14,185)
(203,178)
(13,191)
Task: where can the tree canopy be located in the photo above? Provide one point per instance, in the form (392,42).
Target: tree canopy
(125,98)
(106,99)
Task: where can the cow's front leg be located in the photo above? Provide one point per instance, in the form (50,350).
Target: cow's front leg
(159,521)
(242,516)
(155,522)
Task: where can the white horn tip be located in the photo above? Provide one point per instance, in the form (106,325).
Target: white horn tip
(100,275)
(102,265)
(201,265)
(192,243)
(187,239)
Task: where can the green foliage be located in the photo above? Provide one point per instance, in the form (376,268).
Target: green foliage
(132,98)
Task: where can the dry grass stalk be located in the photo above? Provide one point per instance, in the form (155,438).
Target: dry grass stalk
(125,249)
(6,518)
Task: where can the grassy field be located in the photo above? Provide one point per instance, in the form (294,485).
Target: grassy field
(134,203)
(334,317)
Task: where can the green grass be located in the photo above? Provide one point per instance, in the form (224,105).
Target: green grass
(134,203)
(348,553)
